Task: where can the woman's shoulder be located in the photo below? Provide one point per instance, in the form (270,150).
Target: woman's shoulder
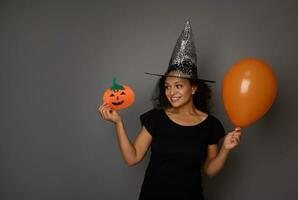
(215,123)
(213,118)
(150,119)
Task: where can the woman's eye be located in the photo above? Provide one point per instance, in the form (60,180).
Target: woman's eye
(166,87)
(179,86)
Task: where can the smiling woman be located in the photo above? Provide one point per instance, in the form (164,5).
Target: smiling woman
(182,136)
(119,96)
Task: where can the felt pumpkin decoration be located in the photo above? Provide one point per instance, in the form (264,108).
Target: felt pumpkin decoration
(119,96)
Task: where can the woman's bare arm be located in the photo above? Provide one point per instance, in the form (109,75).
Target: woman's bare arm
(132,153)
(216,159)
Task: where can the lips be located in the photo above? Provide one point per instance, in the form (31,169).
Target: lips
(174,99)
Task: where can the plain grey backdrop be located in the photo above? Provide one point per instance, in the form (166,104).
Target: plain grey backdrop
(57,58)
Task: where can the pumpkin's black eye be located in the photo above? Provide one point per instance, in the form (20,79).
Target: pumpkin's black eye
(112,95)
(122,93)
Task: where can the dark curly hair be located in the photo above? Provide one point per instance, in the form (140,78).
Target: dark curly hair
(201,97)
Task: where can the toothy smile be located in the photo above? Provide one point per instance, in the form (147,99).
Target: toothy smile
(173,99)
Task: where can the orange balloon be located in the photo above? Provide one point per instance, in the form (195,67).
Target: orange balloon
(248,91)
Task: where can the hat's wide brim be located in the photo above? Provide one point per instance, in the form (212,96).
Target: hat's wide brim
(203,80)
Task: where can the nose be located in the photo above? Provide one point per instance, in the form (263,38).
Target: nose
(171,91)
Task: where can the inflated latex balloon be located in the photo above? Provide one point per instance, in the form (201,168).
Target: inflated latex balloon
(248,91)
(119,96)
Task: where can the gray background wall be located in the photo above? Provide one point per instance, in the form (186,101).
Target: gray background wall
(57,58)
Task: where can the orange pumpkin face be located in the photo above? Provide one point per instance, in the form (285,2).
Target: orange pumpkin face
(119,96)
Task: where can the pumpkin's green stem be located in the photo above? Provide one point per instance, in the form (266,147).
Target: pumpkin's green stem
(116,86)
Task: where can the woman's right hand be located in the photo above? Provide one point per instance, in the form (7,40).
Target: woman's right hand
(108,114)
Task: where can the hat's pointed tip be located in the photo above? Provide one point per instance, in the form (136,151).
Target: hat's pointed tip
(187,26)
(187,23)
(184,58)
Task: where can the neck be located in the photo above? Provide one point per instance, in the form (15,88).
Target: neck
(185,109)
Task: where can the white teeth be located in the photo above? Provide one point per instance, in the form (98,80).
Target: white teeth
(174,98)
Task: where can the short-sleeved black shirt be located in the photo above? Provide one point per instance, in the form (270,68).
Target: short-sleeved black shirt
(177,153)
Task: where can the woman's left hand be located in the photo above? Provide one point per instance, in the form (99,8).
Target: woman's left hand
(232,139)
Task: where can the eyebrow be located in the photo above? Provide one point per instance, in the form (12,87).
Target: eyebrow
(174,82)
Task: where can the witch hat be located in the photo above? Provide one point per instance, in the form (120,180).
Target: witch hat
(184,58)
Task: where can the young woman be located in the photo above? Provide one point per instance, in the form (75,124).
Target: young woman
(182,135)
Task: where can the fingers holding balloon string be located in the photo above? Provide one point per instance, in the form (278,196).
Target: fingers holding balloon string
(234,141)
(237,138)
(237,129)
(237,132)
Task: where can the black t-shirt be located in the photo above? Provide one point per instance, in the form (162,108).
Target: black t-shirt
(177,154)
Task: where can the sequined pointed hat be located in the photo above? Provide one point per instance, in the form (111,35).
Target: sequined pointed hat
(184,58)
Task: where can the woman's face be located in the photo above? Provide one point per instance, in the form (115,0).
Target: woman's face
(179,91)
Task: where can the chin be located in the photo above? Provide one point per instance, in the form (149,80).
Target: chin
(176,104)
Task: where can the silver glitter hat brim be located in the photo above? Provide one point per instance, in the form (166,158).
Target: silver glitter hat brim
(187,77)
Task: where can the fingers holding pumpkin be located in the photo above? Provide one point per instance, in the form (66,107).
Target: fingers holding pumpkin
(109,114)
(103,109)
(100,107)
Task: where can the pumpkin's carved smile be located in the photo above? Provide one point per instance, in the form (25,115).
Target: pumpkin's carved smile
(117,103)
